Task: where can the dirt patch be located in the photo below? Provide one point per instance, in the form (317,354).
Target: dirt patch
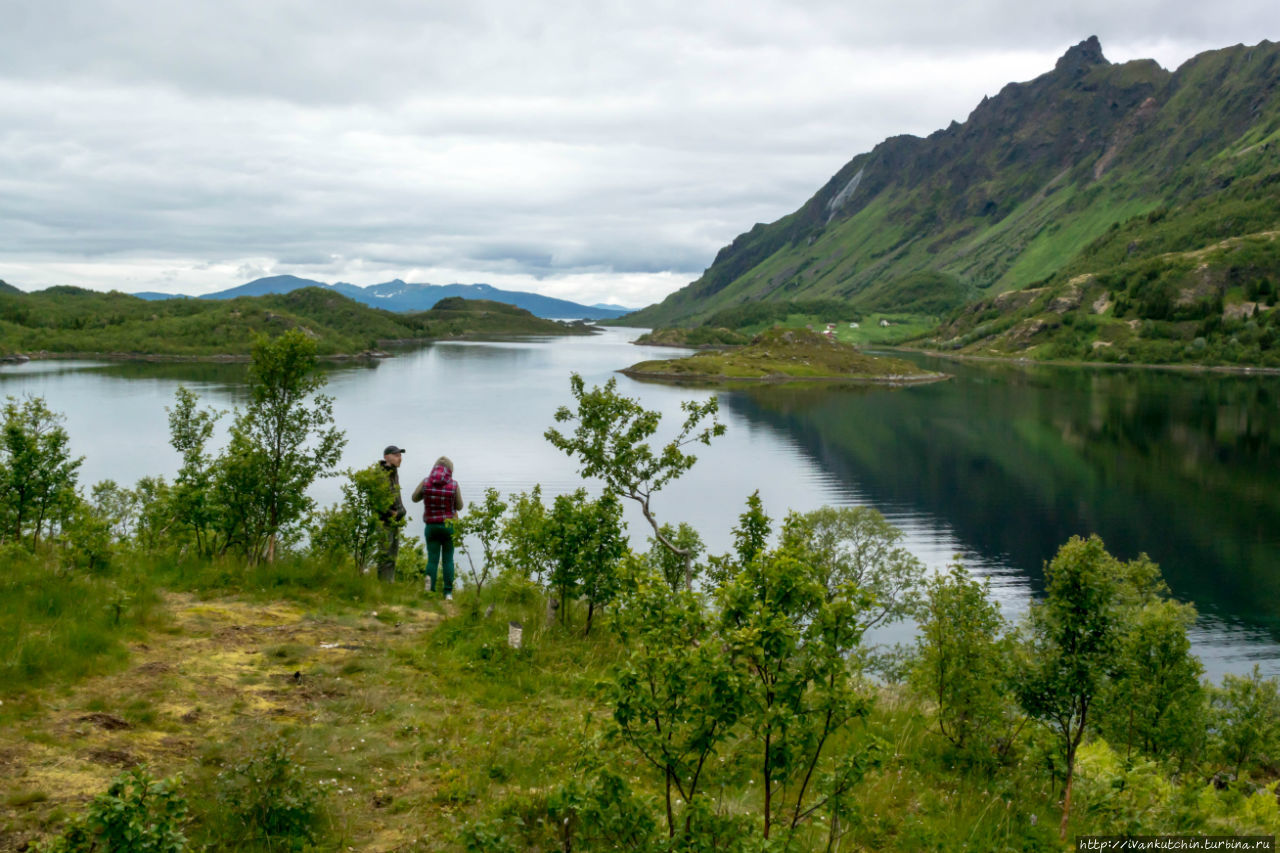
(109,722)
(1241,310)
(156,667)
(221,670)
(113,757)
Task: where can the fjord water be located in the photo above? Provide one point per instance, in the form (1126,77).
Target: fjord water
(999,465)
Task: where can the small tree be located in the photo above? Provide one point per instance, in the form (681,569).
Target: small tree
(154,522)
(1246,719)
(856,546)
(751,536)
(192,501)
(37,473)
(117,508)
(1074,634)
(354,527)
(677,696)
(793,641)
(585,538)
(529,552)
(964,660)
(1155,702)
(280,444)
(611,441)
(483,521)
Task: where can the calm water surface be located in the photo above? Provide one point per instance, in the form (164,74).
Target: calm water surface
(999,465)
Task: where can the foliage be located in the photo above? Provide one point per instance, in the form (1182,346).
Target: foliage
(137,814)
(793,635)
(751,536)
(265,802)
(278,446)
(965,664)
(588,540)
(670,564)
(1245,721)
(353,527)
(1074,636)
(677,696)
(37,473)
(483,520)
(1154,701)
(856,548)
(528,552)
(191,501)
(611,442)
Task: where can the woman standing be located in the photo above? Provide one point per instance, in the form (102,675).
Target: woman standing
(441,499)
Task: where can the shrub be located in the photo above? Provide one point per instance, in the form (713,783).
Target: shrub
(264,802)
(137,814)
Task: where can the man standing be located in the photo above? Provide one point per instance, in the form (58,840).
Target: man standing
(392,516)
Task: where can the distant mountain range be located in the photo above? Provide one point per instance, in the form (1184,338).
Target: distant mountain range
(1088,167)
(399,295)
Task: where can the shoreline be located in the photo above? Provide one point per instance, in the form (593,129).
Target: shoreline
(165,358)
(894,380)
(243,358)
(1028,362)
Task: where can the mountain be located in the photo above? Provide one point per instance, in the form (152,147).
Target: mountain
(402,296)
(1087,166)
(266,286)
(5,287)
(156,296)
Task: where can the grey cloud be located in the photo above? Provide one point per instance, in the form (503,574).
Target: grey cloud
(491,138)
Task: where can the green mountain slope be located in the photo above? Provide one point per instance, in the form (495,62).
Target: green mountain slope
(1021,191)
(69,320)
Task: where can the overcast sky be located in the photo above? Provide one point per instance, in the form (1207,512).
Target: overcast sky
(598,151)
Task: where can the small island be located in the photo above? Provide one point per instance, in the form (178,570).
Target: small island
(785,355)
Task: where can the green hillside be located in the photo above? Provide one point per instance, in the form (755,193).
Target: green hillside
(1210,306)
(1083,169)
(72,320)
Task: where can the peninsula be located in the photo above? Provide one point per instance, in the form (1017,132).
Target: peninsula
(780,355)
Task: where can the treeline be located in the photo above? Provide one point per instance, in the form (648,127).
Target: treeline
(67,320)
(746,707)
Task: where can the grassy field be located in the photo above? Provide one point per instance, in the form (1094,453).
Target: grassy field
(407,716)
(413,726)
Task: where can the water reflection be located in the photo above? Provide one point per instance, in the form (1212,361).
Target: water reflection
(1016,460)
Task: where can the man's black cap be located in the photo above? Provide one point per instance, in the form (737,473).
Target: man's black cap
(391,448)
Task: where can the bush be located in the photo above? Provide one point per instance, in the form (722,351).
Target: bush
(264,802)
(136,815)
